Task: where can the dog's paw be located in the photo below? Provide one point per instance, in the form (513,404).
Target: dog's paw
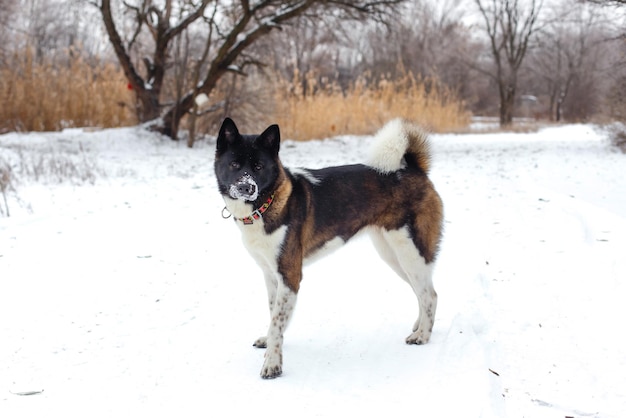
(418,338)
(272,368)
(271,372)
(260,343)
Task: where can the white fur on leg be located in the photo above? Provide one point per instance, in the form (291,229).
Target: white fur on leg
(427,299)
(386,252)
(281,315)
(419,275)
(264,249)
(272,284)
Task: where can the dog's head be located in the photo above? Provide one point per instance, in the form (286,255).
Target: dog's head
(247,166)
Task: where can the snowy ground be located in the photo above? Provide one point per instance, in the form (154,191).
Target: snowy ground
(125,293)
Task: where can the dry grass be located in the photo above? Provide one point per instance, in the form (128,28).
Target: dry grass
(46,96)
(325,111)
(6,186)
(47,164)
(73,92)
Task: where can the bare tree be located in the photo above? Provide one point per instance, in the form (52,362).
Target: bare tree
(307,45)
(567,55)
(509,24)
(616,4)
(427,40)
(8,7)
(158,22)
(422,39)
(231,27)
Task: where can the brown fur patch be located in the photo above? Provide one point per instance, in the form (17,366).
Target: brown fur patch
(419,149)
(344,201)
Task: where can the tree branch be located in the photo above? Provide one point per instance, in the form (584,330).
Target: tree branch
(122,55)
(192,17)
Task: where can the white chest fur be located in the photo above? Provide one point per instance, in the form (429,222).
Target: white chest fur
(238,208)
(264,247)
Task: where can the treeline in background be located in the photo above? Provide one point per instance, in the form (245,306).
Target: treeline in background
(321,70)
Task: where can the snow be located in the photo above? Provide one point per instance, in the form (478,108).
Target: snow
(124,293)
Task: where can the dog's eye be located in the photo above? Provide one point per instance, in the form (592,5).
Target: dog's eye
(235,165)
(258,167)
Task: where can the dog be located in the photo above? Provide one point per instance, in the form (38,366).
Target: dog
(288,217)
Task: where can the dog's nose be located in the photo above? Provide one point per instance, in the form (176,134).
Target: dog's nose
(246,189)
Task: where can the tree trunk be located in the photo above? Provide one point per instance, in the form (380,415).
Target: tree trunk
(557,117)
(170,122)
(147,105)
(509,32)
(171,119)
(507,104)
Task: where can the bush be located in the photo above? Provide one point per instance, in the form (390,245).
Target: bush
(617,135)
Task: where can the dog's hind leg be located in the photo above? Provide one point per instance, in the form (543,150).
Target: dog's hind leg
(412,267)
(422,284)
(387,252)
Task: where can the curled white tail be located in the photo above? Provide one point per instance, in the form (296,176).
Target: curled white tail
(396,141)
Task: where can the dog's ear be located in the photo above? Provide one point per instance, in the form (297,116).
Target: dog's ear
(229,134)
(270,139)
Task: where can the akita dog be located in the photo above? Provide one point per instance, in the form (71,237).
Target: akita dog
(288,217)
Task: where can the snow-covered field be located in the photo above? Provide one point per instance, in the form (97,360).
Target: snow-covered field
(125,293)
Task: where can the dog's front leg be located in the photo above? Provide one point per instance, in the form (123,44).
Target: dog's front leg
(282,311)
(272,285)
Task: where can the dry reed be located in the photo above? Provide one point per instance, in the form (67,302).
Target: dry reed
(41,95)
(48,96)
(324,111)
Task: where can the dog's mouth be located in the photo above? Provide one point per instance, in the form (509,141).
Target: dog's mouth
(245,188)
